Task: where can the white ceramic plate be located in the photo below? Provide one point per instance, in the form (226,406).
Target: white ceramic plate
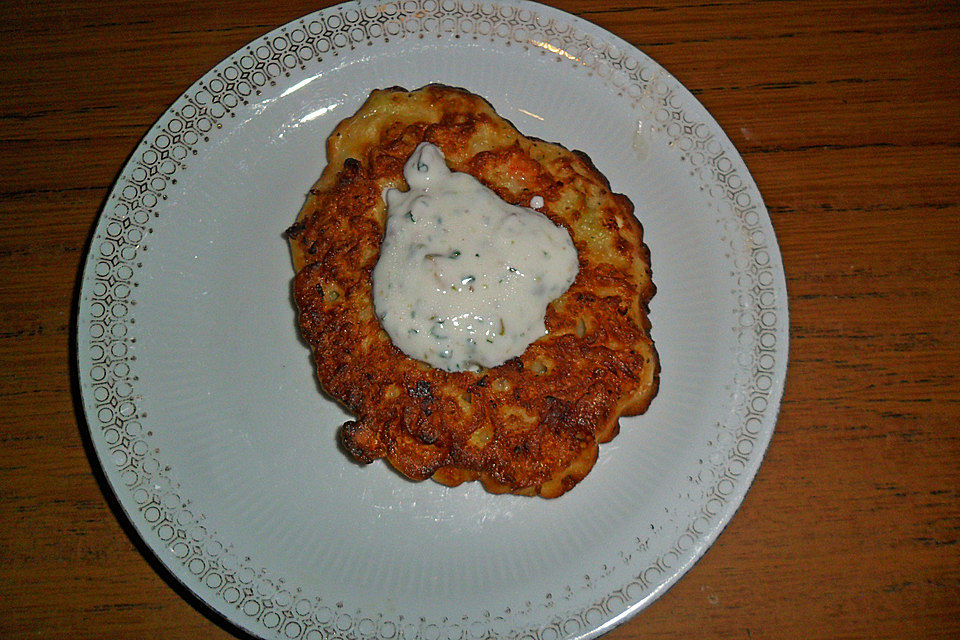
(201,399)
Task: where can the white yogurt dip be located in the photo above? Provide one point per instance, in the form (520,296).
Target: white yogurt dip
(464,279)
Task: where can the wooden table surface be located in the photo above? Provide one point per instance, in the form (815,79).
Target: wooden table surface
(846,113)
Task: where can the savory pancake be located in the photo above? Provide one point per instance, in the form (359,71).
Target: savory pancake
(532,424)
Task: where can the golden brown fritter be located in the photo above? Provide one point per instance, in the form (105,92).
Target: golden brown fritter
(532,425)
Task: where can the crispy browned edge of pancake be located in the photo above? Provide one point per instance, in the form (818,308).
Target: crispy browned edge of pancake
(578,469)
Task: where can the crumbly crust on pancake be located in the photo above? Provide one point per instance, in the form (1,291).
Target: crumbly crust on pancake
(532,425)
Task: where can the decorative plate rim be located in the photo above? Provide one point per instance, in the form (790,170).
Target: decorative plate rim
(249,597)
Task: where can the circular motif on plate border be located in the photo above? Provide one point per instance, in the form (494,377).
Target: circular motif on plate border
(122,237)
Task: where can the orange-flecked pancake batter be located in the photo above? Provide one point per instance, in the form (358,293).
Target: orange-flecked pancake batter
(533,424)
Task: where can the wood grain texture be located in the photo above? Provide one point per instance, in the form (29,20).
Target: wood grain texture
(848,116)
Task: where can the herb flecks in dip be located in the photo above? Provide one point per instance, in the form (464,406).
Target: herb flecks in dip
(464,278)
